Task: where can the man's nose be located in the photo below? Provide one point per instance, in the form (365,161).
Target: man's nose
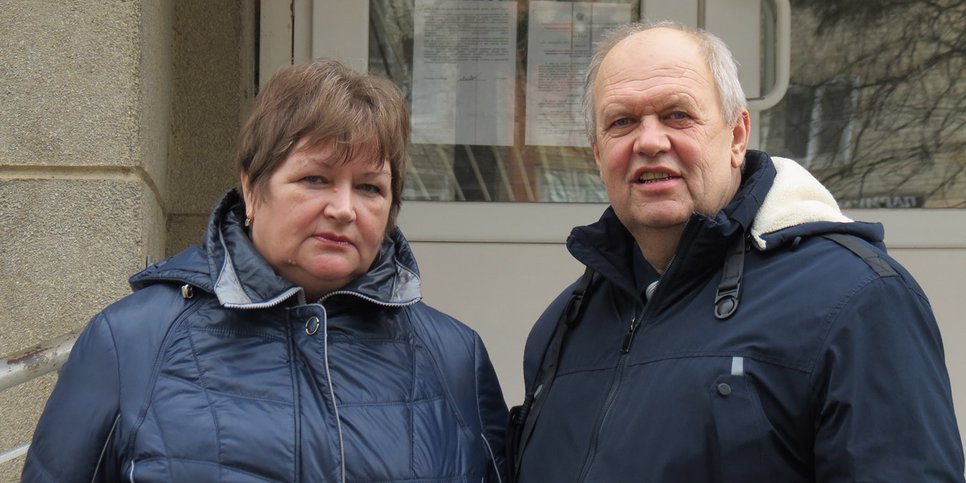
(651,139)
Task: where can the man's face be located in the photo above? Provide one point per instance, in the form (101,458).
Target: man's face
(663,147)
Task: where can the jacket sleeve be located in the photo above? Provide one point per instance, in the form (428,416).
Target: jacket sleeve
(78,419)
(885,410)
(493,412)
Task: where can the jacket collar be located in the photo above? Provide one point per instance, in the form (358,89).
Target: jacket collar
(776,202)
(799,205)
(229,266)
(608,247)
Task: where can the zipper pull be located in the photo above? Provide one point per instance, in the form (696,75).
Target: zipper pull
(629,336)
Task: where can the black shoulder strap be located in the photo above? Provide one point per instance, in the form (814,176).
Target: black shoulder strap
(863,251)
(535,399)
(728,296)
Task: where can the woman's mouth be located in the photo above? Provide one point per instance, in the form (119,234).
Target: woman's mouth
(333,238)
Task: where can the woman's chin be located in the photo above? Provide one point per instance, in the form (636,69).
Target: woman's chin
(331,278)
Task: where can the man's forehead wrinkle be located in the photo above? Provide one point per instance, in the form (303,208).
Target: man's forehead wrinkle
(687,78)
(611,73)
(682,93)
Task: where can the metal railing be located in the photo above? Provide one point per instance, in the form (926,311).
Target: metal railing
(29,364)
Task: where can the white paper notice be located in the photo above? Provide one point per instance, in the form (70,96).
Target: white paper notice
(464,57)
(560,41)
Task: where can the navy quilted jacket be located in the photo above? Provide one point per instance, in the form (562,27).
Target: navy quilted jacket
(215,369)
(830,370)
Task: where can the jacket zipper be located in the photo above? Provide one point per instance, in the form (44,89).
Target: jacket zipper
(328,374)
(330,394)
(629,335)
(636,321)
(608,402)
(625,348)
(615,385)
(277,300)
(297,397)
(368,299)
(335,404)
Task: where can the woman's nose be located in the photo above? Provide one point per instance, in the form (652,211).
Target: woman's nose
(339,205)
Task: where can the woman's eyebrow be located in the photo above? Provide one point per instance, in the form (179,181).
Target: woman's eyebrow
(377,172)
(305,159)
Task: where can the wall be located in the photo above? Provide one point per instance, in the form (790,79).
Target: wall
(116,121)
(939,271)
(214,84)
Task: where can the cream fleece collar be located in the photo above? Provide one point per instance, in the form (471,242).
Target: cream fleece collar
(795,198)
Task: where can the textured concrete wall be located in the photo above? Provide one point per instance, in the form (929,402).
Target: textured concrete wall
(74,188)
(116,121)
(214,84)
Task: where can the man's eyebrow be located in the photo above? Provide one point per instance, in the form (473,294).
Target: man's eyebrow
(677,101)
(613,108)
(671,101)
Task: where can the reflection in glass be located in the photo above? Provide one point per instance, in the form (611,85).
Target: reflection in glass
(496,171)
(876,104)
(875,108)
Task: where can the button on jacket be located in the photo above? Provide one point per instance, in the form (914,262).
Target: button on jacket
(215,369)
(830,369)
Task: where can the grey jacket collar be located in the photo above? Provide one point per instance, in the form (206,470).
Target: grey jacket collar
(241,278)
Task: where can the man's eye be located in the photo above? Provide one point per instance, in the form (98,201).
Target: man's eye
(624,121)
(678,116)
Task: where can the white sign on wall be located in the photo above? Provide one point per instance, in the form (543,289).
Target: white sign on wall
(560,40)
(464,72)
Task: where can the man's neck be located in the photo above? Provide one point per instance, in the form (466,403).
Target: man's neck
(659,245)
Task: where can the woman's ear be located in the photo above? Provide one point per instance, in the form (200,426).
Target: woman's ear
(248,195)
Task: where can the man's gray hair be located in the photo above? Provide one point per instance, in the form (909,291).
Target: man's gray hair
(720,60)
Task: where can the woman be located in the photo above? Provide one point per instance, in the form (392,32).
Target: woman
(292,345)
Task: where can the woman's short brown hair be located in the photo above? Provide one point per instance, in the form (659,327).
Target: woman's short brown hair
(325,101)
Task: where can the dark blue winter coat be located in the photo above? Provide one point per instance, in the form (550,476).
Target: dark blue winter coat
(830,370)
(216,369)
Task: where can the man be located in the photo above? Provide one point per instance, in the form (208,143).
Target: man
(737,326)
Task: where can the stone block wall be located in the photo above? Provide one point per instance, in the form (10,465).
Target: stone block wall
(116,125)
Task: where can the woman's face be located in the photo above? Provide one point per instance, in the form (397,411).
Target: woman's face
(320,222)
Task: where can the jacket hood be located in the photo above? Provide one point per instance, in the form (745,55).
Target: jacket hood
(799,205)
(229,266)
(778,203)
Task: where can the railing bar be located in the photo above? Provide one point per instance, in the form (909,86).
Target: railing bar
(35,361)
(14,453)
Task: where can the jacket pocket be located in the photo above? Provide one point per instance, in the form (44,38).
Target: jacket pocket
(740,429)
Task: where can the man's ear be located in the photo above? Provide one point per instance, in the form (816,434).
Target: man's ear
(740,134)
(596,155)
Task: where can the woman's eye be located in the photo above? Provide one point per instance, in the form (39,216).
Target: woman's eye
(314,179)
(371,188)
